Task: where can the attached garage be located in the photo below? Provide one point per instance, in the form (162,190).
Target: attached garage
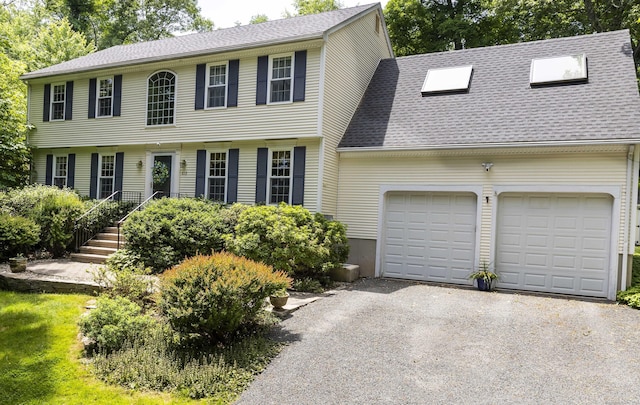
(554,242)
(429,236)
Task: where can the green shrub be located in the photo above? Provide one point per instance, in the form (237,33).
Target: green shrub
(17,235)
(170,229)
(113,322)
(290,239)
(54,209)
(631,296)
(130,282)
(211,297)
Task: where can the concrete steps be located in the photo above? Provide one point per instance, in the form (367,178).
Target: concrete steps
(97,250)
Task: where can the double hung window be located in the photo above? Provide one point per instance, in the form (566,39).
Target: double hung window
(280,177)
(217,176)
(60,171)
(217,86)
(280,79)
(58,96)
(106,178)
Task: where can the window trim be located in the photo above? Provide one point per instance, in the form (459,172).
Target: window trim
(291,55)
(207,175)
(270,176)
(175,100)
(100,176)
(208,85)
(54,170)
(111,97)
(64,102)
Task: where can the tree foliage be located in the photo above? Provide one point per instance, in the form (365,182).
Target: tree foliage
(258,18)
(306,7)
(421,26)
(113,22)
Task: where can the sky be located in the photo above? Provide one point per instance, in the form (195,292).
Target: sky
(225,13)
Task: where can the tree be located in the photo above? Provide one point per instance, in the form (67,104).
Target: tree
(258,18)
(113,22)
(306,7)
(421,26)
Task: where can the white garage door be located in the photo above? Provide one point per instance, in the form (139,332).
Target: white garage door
(429,236)
(554,243)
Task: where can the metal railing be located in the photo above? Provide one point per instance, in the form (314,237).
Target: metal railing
(138,208)
(103,214)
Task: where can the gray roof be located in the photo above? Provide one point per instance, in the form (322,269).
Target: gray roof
(247,36)
(501,108)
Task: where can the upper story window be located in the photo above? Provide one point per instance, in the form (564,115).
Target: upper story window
(58,96)
(106,179)
(60,171)
(217,176)
(280,177)
(280,77)
(217,86)
(161,96)
(105,97)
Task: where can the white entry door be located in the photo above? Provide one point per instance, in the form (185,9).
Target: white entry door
(429,236)
(553,242)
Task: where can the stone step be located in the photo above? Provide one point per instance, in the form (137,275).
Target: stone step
(105,243)
(97,250)
(88,258)
(108,236)
(111,229)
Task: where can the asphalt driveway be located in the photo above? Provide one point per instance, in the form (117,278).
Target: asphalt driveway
(392,342)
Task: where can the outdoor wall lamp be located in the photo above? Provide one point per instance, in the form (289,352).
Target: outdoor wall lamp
(183,164)
(139,164)
(487,166)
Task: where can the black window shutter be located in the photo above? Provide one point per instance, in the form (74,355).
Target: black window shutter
(119,174)
(71,170)
(92,98)
(299,157)
(117,95)
(68,101)
(93,185)
(232,87)
(299,75)
(232,175)
(48,177)
(263,78)
(201,172)
(47,100)
(201,78)
(261,175)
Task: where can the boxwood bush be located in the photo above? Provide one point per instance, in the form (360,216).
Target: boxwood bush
(290,239)
(54,210)
(17,235)
(170,229)
(211,298)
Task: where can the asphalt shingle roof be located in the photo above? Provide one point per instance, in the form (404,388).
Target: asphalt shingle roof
(242,37)
(501,107)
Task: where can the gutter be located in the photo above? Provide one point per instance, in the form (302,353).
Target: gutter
(585,142)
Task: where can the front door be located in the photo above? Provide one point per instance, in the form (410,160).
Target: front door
(161,174)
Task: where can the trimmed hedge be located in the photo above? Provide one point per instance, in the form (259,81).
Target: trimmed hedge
(211,298)
(54,210)
(17,235)
(170,229)
(290,239)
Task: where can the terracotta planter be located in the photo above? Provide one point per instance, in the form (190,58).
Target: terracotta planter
(18,264)
(278,302)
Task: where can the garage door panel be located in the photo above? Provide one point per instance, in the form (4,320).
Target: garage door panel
(565,243)
(429,236)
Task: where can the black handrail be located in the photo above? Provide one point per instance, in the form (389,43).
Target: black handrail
(138,208)
(86,228)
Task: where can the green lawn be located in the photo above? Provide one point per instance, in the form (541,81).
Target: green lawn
(40,357)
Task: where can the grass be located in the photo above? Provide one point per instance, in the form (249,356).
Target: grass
(40,356)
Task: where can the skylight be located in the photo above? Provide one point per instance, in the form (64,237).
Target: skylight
(446,80)
(559,69)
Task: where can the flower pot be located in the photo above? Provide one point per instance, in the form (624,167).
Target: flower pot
(278,302)
(484,285)
(18,264)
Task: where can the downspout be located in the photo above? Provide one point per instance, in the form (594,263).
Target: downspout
(628,224)
(320,127)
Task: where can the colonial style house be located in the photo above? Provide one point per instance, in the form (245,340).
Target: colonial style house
(522,157)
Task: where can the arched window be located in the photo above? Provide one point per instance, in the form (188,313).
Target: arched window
(161,96)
